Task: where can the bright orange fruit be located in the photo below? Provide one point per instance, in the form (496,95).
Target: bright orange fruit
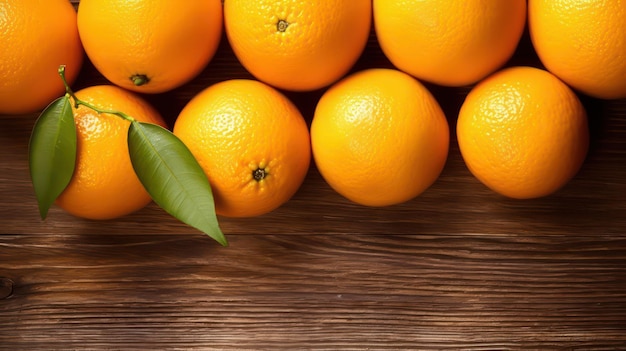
(379,137)
(252,143)
(523,132)
(451,42)
(37,37)
(298,44)
(150,46)
(104,184)
(583,43)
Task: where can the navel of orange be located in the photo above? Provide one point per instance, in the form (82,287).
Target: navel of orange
(252,143)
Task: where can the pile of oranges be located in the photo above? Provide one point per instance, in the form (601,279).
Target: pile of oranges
(378,136)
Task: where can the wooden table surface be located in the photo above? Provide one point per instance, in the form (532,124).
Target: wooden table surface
(456,268)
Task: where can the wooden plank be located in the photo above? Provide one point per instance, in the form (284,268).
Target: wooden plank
(318,292)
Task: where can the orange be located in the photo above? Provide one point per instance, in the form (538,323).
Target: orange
(379,137)
(523,132)
(37,37)
(104,184)
(298,44)
(583,43)
(252,143)
(452,42)
(150,46)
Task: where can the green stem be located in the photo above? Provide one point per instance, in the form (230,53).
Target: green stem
(78,102)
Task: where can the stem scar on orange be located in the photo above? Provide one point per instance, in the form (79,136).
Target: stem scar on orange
(104,184)
(298,44)
(150,46)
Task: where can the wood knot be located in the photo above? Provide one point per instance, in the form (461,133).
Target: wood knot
(6,288)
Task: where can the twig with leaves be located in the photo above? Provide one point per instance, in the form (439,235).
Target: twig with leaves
(164,165)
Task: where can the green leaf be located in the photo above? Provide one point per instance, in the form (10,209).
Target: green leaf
(173,177)
(52,152)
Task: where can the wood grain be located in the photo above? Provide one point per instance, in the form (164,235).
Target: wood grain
(318,292)
(456,268)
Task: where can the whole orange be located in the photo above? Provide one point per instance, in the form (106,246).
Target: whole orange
(252,143)
(150,46)
(298,44)
(451,42)
(104,184)
(379,137)
(523,132)
(37,37)
(583,43)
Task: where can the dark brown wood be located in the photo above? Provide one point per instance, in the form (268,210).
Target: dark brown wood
(457,268)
